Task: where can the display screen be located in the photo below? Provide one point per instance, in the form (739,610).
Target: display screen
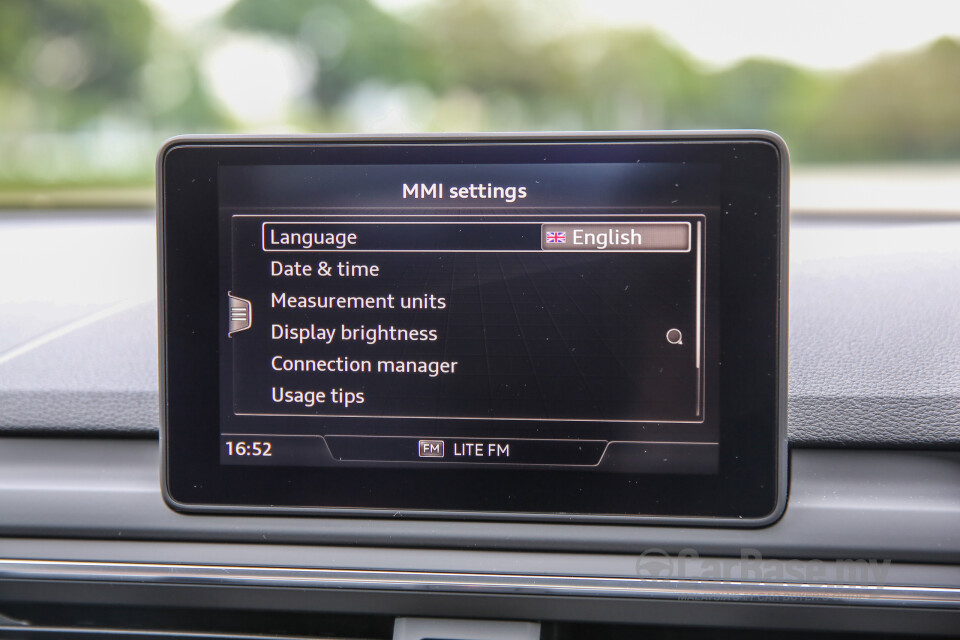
(482,329)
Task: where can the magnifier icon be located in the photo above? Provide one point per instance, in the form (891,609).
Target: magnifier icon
(674,336)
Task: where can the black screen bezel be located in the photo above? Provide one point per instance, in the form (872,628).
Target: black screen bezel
(750,488)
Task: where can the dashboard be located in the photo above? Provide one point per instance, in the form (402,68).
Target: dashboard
(868,540)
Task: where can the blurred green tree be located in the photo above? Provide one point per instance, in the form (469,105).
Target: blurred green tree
(352,41)
(95,71)
(71,58)
(904,107)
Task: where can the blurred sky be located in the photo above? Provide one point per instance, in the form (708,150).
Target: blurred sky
(820,34)
(309,65)
(256,78)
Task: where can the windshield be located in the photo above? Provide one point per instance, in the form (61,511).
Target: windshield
(88,91)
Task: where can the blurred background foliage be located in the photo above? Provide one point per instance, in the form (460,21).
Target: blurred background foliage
(89,89)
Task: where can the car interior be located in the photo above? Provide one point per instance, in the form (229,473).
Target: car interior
(156,317)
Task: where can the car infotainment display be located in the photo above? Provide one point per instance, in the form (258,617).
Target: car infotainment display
(560,327)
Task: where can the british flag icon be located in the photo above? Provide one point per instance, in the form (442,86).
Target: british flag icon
(556,237)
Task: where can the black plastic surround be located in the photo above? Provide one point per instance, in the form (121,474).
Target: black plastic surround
(719,460)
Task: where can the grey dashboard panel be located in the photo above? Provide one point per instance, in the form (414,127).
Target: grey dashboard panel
(868,542)
(875,362)
(874,330)
(875,333)
(531,586)
(902,506)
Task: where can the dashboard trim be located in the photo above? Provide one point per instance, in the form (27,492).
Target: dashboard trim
(484,583)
